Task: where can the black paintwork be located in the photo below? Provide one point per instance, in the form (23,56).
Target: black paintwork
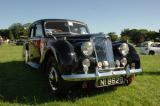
(66,49)
(132,56)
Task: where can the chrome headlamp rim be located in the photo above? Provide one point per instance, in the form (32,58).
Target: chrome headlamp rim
(124,49)
(87,48)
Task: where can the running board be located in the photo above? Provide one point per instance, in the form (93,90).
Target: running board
(34,65)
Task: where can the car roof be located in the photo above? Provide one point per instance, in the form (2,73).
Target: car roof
(63,20)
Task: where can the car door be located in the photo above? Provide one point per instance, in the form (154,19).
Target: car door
(35,43)
(144,48)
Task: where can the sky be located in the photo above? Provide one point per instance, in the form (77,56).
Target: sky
(100,15)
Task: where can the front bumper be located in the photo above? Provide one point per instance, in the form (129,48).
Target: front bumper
(100,74)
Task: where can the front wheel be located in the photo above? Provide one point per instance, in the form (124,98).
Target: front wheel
(151,52)
(53,76)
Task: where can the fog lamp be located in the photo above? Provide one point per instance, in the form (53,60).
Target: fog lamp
(124,61)
(118,63)
(85,69)
(86,62)
(105,63)
(99,64)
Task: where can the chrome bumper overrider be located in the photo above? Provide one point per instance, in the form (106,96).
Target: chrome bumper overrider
(100,74)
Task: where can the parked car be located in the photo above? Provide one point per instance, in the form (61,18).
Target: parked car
(19,42)
(69,53)
(150,48)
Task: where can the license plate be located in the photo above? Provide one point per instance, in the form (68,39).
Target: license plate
(109,81)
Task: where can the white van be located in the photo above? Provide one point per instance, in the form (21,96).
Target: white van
(149,47)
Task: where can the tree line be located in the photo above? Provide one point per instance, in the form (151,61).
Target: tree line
(135,36)
(15,31)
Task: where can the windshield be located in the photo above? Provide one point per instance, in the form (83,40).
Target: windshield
(56,27)
(78,28)
(65,28)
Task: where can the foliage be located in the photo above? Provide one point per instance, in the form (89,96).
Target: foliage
(15,31)
(125,38)
(138,36)
(23,86)
(113,36)
(4,33)
(11,36)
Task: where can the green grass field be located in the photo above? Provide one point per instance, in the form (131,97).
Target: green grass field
(20,85)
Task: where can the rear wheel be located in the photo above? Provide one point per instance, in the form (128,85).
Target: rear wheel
(151,53)
(53,76)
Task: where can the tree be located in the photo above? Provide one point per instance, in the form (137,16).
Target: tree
(27,25)
(138,36)
(124,38)
(26,29)
(113,36)
(4,33)
(17,30)
(11,36)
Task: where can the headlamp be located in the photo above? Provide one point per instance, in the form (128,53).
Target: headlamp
(87,48)
(124,49)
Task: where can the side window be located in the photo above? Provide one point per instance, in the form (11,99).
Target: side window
(38,31)
(157,45)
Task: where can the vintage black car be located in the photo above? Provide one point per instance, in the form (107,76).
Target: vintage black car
(67,52)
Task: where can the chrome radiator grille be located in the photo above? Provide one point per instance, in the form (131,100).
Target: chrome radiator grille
(104,51)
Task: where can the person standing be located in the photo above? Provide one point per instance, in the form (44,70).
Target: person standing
(1,40)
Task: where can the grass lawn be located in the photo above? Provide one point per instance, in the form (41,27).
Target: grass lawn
(20,85)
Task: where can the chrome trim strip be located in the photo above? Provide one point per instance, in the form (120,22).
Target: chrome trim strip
(98,75)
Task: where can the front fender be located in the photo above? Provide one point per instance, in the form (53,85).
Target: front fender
(63,52)
(66,53)
(49,51)
(132,56)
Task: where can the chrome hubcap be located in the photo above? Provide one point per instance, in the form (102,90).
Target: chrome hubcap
(53,78)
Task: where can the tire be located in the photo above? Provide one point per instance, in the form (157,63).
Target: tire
(53,77)
(130,79)
(151,53)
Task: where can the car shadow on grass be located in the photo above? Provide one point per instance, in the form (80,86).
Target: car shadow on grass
(157,73)
(21,84)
